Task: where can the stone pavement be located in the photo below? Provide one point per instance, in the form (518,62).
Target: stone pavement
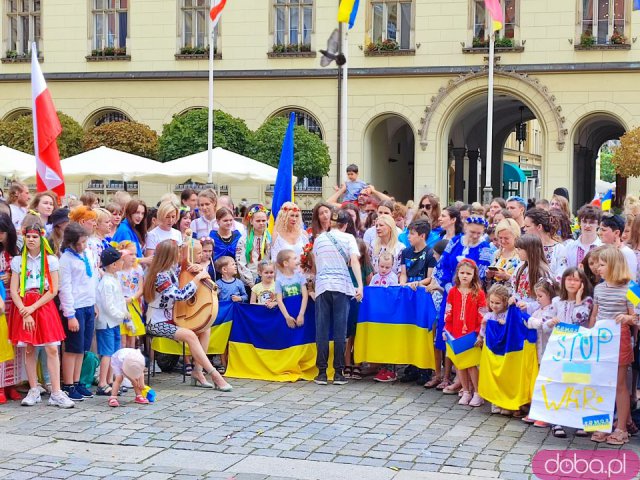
(262,430)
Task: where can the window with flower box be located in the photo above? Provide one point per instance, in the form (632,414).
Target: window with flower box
(23,28)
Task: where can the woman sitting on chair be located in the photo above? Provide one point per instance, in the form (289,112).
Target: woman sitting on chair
(162,289)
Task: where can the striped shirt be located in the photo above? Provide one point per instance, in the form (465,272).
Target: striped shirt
(611,300)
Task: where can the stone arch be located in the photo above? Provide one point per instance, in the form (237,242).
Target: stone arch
(16,113)
(528,89)
(303,104)
(93,108)
(189,104)
(306,112)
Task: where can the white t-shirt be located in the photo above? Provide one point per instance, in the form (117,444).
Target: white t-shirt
(17,215)
(157,235)
(117,359)
(370,235)
(631,259)
(332,272)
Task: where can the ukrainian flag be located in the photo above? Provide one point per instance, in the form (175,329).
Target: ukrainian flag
(220,331)
(576,373)
(509,363)
(462,351)
(348,11)
(396,325)
(633,294)
(283,190)
(606,201)
(636,4)
(263,347)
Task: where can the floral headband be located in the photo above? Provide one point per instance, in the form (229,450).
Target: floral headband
(33,229)
(257,209)
(184,208)
(469,261)
(33,212)
(477,221)
(287,208)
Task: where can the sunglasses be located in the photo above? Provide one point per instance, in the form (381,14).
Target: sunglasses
(425,206)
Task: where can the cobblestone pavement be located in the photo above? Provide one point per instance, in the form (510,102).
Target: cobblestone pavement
(263,430)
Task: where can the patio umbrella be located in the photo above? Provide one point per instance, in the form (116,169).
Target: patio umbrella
(228,168)
(16,164)
(107,163)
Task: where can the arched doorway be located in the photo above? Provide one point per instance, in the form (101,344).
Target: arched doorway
(516,152)
(389,152)
(590,134)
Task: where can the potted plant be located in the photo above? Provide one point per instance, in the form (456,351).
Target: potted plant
(187,50)
(617,38)
(278,48)
(587,39)
(478,42)
(504,42)
(12,54)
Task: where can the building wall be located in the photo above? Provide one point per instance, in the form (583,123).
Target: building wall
(252,86)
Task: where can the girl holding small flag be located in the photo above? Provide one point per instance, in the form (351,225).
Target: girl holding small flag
(610,302)
(462,317)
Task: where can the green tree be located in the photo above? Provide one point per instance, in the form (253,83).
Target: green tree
(187,134)
(607,169)
(311,155)
(18,134)
(130,137)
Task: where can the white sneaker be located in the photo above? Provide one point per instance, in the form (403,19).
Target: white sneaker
(476,401)
(42,390)
(61,400)
(495,408)
(33,397)
(127,383)
(465,398)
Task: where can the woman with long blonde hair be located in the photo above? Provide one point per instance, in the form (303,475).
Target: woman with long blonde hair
(288,231)
(161,290)
(386,241)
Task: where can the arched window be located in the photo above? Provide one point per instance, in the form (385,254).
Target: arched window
(107,116)
(305,119)
(16,114)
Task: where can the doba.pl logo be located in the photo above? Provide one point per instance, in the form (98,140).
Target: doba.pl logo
(586,464)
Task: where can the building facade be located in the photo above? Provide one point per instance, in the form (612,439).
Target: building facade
(417,88)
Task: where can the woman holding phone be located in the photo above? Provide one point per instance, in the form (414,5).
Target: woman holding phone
(506,259)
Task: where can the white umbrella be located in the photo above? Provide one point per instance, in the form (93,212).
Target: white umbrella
(228,168)
(107,163)
(16,164)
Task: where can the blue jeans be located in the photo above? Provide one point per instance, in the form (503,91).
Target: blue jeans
(332,311)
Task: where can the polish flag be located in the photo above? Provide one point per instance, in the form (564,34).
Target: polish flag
(216,10)
(46,128)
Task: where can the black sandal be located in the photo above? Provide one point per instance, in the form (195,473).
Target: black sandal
(356,373)
(558,431)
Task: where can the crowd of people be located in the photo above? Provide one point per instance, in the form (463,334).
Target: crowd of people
(87,276)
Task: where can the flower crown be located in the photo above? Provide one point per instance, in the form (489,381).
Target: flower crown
(257,209)
(33,212)
(288,208)
(184,208)
(476,220)
(467,260)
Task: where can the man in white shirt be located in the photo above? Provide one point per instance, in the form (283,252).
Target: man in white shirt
(588,219)
(611,228)
(333,253)
(19,197)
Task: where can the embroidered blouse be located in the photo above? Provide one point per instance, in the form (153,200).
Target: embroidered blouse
(167,293)
(462,314)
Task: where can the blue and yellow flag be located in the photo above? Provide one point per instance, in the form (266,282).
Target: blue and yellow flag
(509,362)
(263,347)
(633,294)
(220,331)
(348,11)
(396,325)
(462,351)
(606,201)
(283,190)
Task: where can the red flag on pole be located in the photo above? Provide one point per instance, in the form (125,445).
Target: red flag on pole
(216,10)
(46,129)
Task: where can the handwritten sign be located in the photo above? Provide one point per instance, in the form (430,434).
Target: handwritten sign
(576,384)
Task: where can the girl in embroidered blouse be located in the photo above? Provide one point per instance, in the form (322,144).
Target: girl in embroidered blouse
(225,239)
(463,316)
(255,247)
(533,268)
(161,290)
(34,316)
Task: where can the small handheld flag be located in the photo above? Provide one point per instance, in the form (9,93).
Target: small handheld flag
(216,10)
(633,294)
(347,12)
(495,10)
(606,201)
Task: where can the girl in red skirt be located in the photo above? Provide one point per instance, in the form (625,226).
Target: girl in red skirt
(34,317)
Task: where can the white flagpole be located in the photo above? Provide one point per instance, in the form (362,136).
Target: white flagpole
(343,110)
(210,117)
(488,189)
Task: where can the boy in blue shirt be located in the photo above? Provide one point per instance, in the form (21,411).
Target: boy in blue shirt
(230,287)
